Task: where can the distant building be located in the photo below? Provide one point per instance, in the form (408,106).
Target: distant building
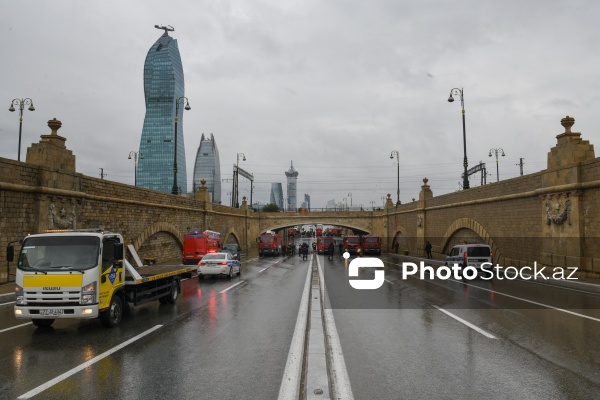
(277,195)
(292,177)
(306,203)
(208,167)
(163,85)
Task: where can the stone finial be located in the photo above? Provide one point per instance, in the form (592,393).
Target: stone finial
(570,148)
(426,192)
(567,122)
(54,126)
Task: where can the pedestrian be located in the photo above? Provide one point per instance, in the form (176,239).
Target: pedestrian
(341,248)
(428,249)
(330,251)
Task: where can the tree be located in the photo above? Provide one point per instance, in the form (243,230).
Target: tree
(271,208)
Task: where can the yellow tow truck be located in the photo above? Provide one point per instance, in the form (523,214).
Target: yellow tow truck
(84,274)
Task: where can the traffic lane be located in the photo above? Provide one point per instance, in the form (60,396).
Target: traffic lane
(35,355)
(207,342)
(391,352)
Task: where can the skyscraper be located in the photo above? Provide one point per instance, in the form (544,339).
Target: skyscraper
(277,195)
(208,167)
(163,85)
(292,177)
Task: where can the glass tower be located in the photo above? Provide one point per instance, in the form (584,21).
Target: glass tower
(292,177)
(277,195)
(163,85)
(208,167)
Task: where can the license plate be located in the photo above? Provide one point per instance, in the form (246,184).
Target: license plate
(51,312)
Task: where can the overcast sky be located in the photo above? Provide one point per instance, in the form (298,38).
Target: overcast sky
(334,86)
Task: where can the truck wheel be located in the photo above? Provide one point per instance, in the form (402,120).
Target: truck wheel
(42,323)
(174,294)
(112,317)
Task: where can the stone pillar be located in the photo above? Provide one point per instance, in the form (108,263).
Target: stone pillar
(424,195)
(56,170)
(561,210)
(203,196)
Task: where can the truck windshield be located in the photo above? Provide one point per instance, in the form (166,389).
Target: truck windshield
(371,240)
(59,253)
(266,239)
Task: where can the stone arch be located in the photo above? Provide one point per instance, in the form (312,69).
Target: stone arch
(231,232)
(156,228)
(474,226)
(401,240)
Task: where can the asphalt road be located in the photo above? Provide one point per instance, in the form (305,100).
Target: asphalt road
(213,344)
(409,339)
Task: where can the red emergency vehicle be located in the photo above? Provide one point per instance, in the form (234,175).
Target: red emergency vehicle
(323,243)
(371,244)
(352,244)
(269,243)
(197,244)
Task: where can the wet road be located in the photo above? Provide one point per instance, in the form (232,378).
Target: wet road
(410,339)
(404,341)
(213,344)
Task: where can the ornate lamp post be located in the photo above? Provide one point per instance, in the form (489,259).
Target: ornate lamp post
(180,100)
(457,91)
(397,154)
(135,155)
(496,151)
(21,103)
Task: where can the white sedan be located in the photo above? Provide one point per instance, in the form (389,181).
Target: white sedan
(221,263)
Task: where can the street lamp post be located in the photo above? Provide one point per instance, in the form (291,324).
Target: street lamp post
(180,100)
(397,154)
(21,103)
(236,192)
(135,155)
(457,91)
(496,151)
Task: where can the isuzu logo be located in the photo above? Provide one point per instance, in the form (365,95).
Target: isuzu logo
(51,288)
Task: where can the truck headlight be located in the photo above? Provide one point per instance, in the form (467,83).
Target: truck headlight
(88,293)
(19,298)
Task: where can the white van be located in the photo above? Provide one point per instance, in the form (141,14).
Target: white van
(469,254)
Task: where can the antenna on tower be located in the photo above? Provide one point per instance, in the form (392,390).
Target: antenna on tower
(167,28)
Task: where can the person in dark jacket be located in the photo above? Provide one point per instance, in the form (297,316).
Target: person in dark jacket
(330,250)
(428,249)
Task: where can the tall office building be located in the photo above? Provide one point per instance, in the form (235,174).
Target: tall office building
(277,195)
(208,167)
(163,85)
(292,177)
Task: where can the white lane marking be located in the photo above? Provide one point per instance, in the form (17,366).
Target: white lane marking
(467,323)
(231,287)
(86,364)
(264,269)
(515,297)
(290,383)
(338,373)
(15,327)
(532,302)
(388,281)
(5,304)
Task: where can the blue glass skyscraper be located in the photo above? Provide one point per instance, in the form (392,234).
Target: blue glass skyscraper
(163,85)
(208,167)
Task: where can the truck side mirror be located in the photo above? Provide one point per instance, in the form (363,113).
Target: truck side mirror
(10,253)
(118,252)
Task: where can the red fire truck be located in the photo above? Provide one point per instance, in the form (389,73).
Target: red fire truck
(371,244)
(319,232)
(323,243)
(335,231)
(352,244)
(269,243)
(197,244)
